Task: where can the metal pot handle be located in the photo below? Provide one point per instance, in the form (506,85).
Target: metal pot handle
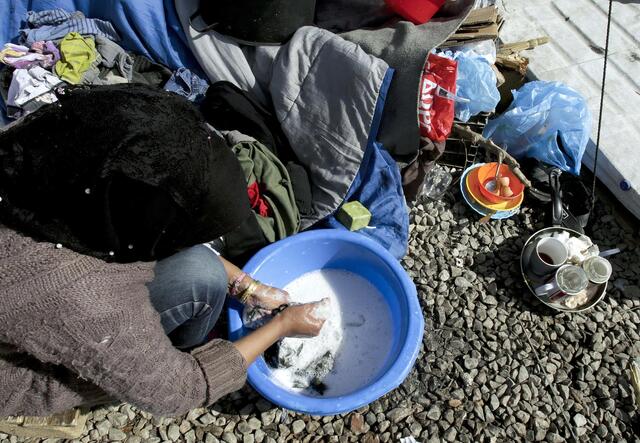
(556,197)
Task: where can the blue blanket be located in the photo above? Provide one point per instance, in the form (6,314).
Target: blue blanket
(378,186)
(147,27)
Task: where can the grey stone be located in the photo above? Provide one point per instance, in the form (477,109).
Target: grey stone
(470,276)
(450,434)
(190,436)
(598,342)
(396,415)
(579,420)
(520,429)
(415,428)
(523,374)
(298,426)
(103,427)
(462,282)
(490,300)
(268,417)
(118,419)
(116,434)
(254,423)
(216,430)
(185,426)
(243,427)
(129,411)
(228,437)
(553,437)
(434,413)
(338,426)
(173,432)
(470,362)
(494,402)
(206,419)
(602,431)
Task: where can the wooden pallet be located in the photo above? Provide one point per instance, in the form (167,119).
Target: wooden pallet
(69,424)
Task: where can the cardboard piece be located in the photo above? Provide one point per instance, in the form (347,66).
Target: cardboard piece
(481,24)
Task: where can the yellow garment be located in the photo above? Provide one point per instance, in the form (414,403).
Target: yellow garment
(77,56)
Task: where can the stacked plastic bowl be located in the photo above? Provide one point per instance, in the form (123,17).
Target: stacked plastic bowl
(474,186)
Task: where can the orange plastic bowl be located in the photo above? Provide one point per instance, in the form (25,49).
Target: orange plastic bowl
(486,175)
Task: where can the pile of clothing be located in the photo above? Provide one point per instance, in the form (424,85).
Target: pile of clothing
(59,48)
(326,116)
(60,51)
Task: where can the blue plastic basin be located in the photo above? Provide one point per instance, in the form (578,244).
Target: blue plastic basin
(283,262)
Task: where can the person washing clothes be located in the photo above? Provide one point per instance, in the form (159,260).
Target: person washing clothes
(103,295)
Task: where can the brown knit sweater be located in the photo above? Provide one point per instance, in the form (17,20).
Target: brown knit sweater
(75,330)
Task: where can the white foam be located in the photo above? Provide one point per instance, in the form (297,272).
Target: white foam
(358,331)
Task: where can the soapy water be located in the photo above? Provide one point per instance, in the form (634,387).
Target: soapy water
(357,336)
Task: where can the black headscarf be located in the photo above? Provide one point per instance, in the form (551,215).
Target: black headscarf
(121,172)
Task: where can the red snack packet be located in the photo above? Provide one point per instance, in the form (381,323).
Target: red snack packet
(436,106)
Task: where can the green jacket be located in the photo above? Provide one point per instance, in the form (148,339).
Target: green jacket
(260,165)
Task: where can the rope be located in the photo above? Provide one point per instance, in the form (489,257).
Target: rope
(604,82)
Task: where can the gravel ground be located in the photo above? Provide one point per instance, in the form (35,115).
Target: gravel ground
(496,365)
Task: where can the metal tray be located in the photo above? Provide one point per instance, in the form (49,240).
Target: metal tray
(595,292)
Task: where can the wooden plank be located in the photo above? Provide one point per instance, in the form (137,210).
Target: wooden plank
(69,424)
(64,419)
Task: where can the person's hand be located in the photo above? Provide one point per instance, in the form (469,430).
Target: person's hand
(304,320)
(267,297)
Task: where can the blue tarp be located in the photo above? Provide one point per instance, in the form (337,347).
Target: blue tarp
(147,27)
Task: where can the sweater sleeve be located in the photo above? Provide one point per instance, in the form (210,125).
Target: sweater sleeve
(97,321)
(28,387)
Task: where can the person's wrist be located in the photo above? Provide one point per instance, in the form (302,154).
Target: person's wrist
(282,322)
(239,284)
(247,291)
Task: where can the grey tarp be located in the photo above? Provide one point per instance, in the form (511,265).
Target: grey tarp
(324,91)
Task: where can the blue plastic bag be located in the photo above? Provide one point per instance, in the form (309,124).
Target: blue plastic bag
(548,121)
(476,85)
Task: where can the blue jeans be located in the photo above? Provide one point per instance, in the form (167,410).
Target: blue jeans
(188,291)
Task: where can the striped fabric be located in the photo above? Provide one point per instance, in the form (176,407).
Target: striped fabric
(52,17)
(56,23)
